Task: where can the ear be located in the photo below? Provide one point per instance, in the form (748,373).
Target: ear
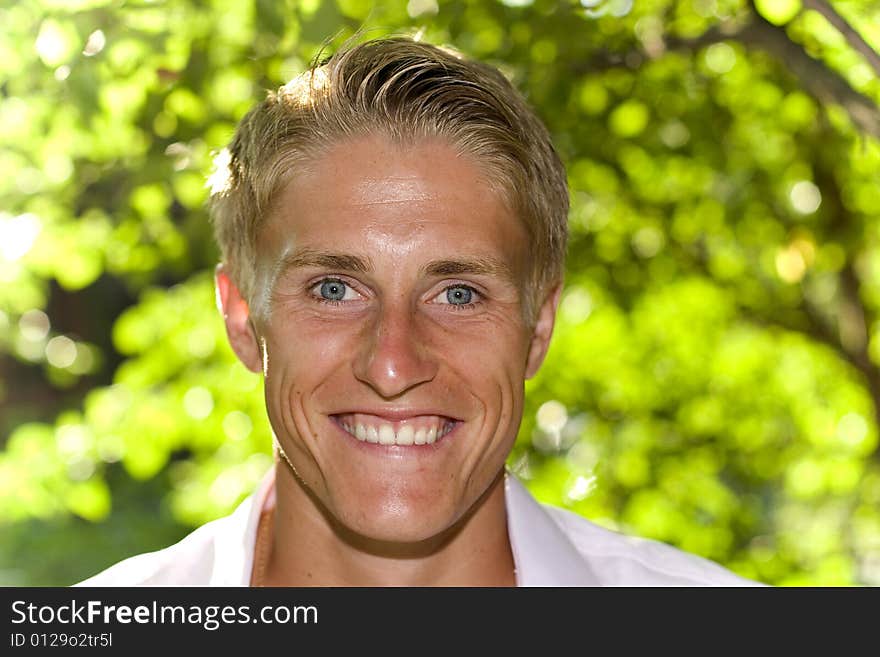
(237,316)
(543,331)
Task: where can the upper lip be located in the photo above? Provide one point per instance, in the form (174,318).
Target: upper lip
(398,414)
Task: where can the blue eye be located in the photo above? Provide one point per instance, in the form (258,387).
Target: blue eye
(333,290)
(459,295)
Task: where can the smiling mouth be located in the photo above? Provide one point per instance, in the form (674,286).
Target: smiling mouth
(418,430)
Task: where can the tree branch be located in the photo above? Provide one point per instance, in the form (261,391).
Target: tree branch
(822,82)
(825,84)
(855,40)
(852,317)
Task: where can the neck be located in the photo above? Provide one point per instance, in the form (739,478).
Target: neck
(308,547)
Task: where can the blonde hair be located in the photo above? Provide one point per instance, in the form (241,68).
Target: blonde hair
(407,91)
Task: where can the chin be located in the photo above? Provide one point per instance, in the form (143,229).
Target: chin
(396,521)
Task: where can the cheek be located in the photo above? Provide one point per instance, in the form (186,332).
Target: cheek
(490,365)
(303,361)
(490,351)
(303,348)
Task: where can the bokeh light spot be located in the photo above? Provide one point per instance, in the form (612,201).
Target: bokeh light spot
(674,134)
(720,58)
(790,264)
(552,416)
(629,118)
(852,429)
(416,8)
(34,325)
(237,425)
(17,234)
(73,441)
(648,241)
(61,351)
(95,43)
(201,342)
(805,197)
(576,306)
(198,402)
(53,43)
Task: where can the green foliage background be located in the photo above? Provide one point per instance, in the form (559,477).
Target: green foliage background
(713,382)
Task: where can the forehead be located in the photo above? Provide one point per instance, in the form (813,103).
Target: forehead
(373,196)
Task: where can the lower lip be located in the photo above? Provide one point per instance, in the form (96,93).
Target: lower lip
(400,449)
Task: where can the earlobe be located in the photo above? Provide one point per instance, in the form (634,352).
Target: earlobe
(236,316)
(543,331)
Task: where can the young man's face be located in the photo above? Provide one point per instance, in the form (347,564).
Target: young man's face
(393,345)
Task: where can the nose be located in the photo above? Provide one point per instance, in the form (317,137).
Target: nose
(394,355)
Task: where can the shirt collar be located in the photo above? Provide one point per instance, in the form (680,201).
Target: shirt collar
(542,553)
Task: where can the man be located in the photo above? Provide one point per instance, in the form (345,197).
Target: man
(393,228)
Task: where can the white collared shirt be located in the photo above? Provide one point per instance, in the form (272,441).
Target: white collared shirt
(551,547)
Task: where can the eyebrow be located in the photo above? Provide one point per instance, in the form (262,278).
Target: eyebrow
(485,266)
(473,266)
(325,260)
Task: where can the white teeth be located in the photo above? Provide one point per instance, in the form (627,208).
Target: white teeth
(372,434)
(384,434)
(406,435)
